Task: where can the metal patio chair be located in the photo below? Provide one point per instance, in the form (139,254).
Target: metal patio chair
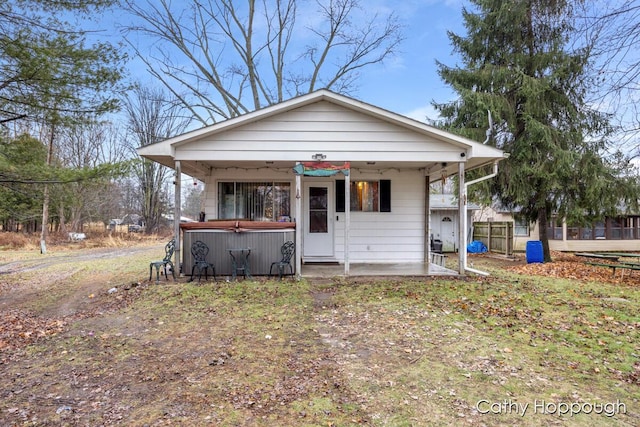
(168,250)
(199,251)
(286,250)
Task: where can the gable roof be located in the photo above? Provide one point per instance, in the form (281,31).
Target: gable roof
(448,149)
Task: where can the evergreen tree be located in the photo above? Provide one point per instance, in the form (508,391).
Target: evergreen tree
(517,63)
(192,205)
(48,70)
(20,203)
(51,76)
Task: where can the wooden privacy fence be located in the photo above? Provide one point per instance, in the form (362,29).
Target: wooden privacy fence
(497,236)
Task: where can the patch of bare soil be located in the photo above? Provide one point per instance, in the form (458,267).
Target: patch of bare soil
(48,301)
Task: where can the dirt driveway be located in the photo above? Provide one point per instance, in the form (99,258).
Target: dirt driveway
(53,275)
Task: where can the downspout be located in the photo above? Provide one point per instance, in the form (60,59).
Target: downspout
(465,192)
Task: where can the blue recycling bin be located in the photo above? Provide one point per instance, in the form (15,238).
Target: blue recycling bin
(534,252)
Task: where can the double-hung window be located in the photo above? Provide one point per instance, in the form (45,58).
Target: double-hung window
(255,201)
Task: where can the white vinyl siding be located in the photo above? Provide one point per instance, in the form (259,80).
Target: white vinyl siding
(322,127)
(394,236)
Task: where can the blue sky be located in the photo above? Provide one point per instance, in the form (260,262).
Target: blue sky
(408,84)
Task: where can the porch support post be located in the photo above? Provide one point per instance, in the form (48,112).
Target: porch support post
(347,220)
(177,213)
(427,222)
(298,227)
(462,224)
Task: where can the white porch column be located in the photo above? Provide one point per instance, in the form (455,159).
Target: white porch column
(347,220)
(462,223)
(427,222)
(177,213)
(298,252)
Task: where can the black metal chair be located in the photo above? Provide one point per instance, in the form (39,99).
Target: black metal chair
(286,250)
(168,250)
(199,251)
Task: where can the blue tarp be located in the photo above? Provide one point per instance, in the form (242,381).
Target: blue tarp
(476,247)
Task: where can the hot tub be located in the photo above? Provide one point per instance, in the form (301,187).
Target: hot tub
(263,238)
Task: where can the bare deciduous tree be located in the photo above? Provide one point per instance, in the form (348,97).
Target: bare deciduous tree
(223,58)
(612,31)
(81,147)
(151,118)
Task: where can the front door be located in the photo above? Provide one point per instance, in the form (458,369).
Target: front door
(318,224)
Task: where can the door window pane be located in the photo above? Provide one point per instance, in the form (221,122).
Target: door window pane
(318,206)
(318,198)
(318,222)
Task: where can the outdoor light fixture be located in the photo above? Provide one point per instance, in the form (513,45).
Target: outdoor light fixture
(371,163)
(318,157)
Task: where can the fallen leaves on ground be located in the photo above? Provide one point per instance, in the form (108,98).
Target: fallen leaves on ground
(569,266)
(18,328)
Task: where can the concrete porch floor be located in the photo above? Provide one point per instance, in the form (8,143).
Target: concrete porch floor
(376,269)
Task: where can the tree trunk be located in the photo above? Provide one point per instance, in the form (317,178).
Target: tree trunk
(542,231)
(45,202)
(63,225)
(45,220)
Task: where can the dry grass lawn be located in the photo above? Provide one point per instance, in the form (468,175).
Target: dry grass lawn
(86,339)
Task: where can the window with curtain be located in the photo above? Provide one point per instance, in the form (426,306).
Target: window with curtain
(364,196)
(628,227)
(612,228)
(255,201)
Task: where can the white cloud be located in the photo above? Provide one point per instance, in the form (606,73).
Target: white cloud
(422,113)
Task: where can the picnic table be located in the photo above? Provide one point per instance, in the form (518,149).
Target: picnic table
(610,257)
(624,255)
(613,258)
(619,266)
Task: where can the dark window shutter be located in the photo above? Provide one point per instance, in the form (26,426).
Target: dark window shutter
(385,195)
(339,195)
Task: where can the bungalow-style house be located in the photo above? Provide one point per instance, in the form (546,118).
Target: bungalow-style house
(348,182)
(613,234)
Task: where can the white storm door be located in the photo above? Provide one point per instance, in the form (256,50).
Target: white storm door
(318,224)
